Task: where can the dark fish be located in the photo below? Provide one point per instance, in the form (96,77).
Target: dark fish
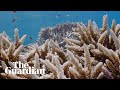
(29,37)
(13,20)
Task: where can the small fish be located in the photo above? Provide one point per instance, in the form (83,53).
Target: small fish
(13,20)
(34,41)
(29,37)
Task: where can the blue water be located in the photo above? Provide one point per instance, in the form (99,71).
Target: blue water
(30,22)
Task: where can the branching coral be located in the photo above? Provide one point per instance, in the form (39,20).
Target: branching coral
(87,52)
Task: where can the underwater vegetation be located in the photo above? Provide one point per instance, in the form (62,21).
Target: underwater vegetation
(86,52)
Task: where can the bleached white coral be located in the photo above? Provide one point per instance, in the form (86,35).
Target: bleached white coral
(89,54)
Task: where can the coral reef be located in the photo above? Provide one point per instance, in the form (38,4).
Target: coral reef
(91,53)
(57,33)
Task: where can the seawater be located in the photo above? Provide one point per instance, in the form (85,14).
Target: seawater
(30,22)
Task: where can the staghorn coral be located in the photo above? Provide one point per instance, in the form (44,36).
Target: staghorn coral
(91,53)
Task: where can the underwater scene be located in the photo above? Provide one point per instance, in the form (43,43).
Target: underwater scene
(59,44)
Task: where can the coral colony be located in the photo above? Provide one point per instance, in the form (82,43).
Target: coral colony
(86,52)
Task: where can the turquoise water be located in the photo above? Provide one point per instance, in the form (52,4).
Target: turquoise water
(30,22)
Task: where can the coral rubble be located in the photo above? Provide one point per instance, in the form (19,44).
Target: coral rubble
(87,53)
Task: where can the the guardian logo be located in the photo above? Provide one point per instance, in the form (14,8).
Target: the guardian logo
(21,68)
